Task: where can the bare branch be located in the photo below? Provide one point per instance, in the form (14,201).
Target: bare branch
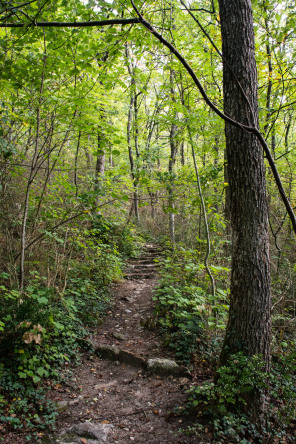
(71,24)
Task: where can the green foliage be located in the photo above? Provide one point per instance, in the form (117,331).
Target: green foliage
(64,97)
(43,327)
(40,335)
(243,378)
(23,405)
(120,234)
(189,314)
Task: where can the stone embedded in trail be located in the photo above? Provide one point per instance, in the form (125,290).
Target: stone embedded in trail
(127,298)
(165,367)
(131,359)
(157,366)
(116,354)
(105,385)
(63,405)
(92,433)
(108,352)
(139,276)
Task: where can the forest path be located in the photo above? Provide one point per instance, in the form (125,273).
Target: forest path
(125,402)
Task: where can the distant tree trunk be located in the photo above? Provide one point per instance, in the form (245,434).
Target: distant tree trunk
(135,205)
(153,200)
(182,153)
(216,191)
(249,325)
(172,161)
(75,164)
(86,151)
(32,174)
(100,169)
(132,123)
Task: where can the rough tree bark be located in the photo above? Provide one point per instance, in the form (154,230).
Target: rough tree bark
(249,324)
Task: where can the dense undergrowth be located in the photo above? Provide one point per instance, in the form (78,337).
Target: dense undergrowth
(45,326)
(193,321)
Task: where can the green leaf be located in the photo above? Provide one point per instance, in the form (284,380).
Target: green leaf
(42,300)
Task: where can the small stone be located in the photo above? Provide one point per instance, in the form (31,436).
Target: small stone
(184,380)
(119,336)
(164,367)
(75,401)
(127,299)
(62,405)
(93,431)
(105,385)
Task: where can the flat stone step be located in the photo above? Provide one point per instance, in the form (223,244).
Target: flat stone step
(114,353)
(138,276)
(149,253)
(142,261)
(144,266)
(152,247)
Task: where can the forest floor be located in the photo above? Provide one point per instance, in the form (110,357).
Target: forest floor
(125,402)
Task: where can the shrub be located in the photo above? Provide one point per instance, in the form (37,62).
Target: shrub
(224,401)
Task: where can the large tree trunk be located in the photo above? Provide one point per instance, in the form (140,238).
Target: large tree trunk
(249,324)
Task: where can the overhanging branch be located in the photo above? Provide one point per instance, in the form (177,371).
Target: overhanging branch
(71,24)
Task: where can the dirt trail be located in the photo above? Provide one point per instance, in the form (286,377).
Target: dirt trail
(138,406)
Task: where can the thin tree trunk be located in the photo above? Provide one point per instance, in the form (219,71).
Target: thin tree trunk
(133,108)
(100,170)
(75,164)
(30,180)
(204,216)
(171,185)
(172,160)
(131,158)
